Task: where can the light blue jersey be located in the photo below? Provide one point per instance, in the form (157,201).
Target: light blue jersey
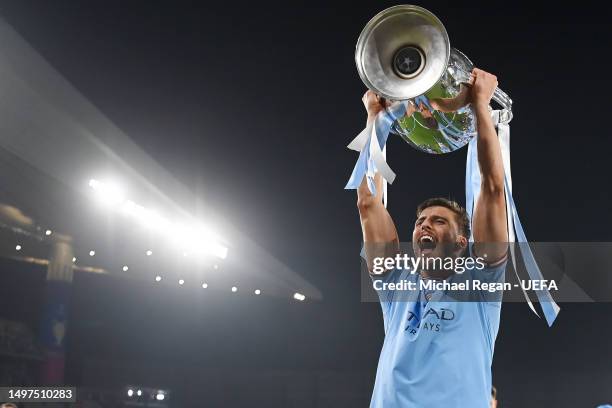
(438,351)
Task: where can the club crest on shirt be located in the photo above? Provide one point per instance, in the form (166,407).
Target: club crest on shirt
(437,316)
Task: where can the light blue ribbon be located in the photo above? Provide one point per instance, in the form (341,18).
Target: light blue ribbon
(369,154)
(548,305)
(472,190)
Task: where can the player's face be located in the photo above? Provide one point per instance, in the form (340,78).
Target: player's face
(435,232)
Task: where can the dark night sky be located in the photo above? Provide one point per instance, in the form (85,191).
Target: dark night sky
(251,106)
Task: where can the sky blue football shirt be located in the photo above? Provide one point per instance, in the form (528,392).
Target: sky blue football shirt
(437,353)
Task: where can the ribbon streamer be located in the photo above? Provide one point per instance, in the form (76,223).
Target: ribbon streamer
(370,143)
(472,191)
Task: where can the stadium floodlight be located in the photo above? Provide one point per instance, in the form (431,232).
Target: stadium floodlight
(160,396)
(257,291)
(181,281)
(107,193)
(48,232)
(299,296)
(18,247)
(149,252)
(132,209)
(197,239)
(217,250)
(234,289)
(203,247)
(125,268)
(92,252)
(130,392)
(204,285)
(146,217)
(139,393)
(74,259)
(158,278)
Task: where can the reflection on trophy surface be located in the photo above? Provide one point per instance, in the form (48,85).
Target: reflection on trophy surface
(404,53)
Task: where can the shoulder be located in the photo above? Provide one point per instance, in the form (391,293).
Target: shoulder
(484,264)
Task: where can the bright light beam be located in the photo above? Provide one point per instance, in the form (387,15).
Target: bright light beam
(107,193)
(200,239)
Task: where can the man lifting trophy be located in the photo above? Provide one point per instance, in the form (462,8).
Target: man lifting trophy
(437,351)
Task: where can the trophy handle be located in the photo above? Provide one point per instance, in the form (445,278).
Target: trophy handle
(503,99)
(463,67)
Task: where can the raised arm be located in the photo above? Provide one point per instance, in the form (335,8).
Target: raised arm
(489,224)
(379,233)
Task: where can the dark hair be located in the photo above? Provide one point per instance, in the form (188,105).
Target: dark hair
(8,405)
(461,214)
(493,392)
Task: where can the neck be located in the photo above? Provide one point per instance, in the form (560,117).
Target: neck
(436,275)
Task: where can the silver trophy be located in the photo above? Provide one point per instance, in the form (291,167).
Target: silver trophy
(404,53)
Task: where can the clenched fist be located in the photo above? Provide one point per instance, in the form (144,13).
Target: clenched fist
(483,87)
(372,103)
(478,92)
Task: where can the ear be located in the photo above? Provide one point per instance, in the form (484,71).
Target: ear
(461,242)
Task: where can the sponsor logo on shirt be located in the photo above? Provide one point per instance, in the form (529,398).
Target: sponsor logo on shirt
(438,315)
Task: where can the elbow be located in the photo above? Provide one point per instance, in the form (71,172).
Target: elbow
(493,188)
(366,203)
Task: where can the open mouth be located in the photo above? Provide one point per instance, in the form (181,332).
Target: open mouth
(427,243)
